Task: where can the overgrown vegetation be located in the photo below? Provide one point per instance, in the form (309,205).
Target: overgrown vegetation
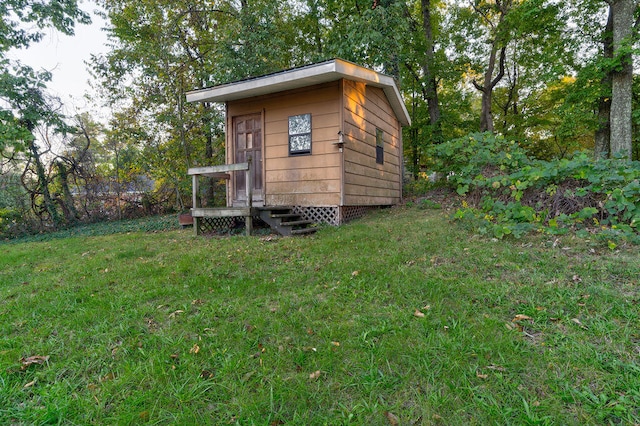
(398,318)
(143,224)
(507,193)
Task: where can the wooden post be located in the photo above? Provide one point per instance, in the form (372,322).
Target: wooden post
(248,220)
(196,221)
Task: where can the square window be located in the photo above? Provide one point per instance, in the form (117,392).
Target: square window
(300,134)
(379,146)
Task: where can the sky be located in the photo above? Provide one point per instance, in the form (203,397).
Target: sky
(65,58)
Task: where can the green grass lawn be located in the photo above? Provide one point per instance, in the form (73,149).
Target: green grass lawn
(399,318)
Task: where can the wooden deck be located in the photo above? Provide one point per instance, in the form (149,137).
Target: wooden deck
(279,218)
(222,172)
(223,212)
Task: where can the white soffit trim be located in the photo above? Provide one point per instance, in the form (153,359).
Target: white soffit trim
(301,77)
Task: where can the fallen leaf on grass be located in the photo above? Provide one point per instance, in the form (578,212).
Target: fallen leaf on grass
(206,374)
(481,376)
(108,376)
(355,273)
(35,359)
(195,349)
(392,418)
(248,375)
(496,368)
(315,375)
(577,321)
(335,343)
(31,383)
(262,350)
(174,313)
(521,317)
(418,313)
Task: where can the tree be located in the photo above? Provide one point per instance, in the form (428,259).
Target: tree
(621,13)
(510,46)
(602,137)
(429,71)
(492,15)
(609,29)
(25,105)
(23,22)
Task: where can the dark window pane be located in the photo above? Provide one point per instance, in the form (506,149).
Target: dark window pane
(379,146)
(379,155)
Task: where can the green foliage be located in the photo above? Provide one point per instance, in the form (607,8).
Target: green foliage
(13,202)
(22,88)
(508,193)
(466,157)
(38,15)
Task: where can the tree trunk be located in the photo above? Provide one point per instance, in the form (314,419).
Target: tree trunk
(622,79)
(431,89)
(603,132)
(486,115)
(68,204)
(43,186)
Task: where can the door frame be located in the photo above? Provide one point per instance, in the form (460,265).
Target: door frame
(257,165)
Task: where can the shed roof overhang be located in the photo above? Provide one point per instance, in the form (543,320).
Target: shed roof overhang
(309,75)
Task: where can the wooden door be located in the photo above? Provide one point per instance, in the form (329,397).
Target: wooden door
(247,137)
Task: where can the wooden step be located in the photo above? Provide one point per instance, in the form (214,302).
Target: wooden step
(297,223)
(285,222)
(284,215)
(303,231)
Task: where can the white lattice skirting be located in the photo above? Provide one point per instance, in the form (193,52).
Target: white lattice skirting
(332,215)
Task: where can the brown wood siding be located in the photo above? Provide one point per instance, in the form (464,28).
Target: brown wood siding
(365,181)
(303,180)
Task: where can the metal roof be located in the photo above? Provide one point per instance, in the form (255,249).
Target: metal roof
(308,75)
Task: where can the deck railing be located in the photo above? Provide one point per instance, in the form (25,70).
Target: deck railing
(224,171)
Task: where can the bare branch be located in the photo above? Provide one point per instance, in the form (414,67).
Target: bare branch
(498,77)
(477,85)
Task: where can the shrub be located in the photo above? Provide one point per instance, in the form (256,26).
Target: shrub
(507,193)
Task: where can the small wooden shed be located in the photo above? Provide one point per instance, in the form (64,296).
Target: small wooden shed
(324,140)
